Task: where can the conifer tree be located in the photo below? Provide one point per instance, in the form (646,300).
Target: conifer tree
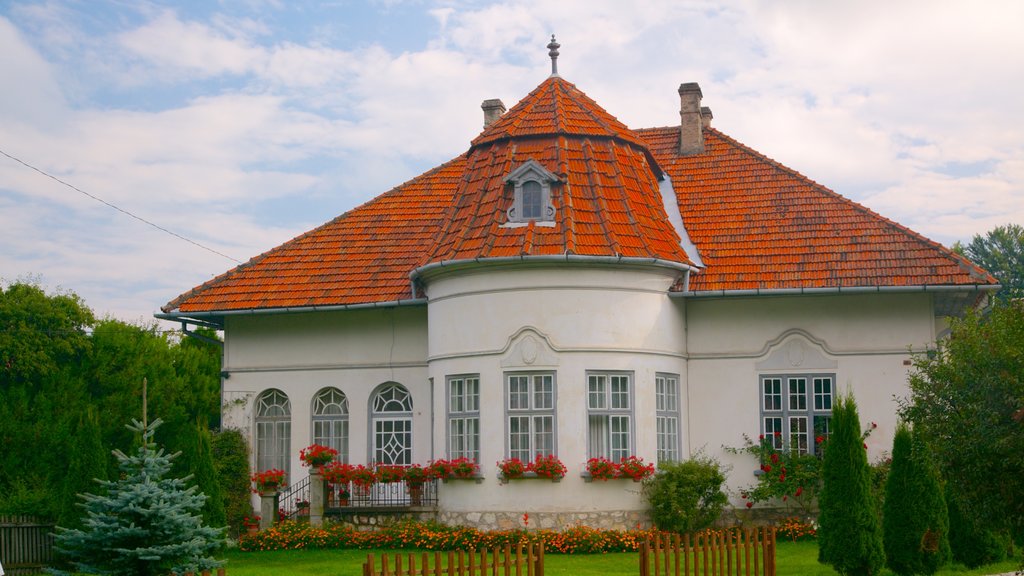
(849,535)
(145,524)
(87,462)
(915,523)
(231,458)
(196,461)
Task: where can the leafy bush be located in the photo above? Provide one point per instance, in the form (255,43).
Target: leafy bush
(972,544)
(686,496)
(786,477)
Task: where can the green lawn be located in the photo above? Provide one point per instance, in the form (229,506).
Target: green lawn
(793,559)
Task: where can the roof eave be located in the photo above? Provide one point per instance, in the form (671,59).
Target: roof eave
(217,317)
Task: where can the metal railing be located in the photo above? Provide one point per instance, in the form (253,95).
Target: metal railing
(381,495)
(289,499)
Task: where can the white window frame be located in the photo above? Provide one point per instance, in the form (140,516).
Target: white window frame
(530,173)
(273,431)
(667,417)
(391,434)
(798,407)
(330,421)
(530,417)
(463,395)
(610,418)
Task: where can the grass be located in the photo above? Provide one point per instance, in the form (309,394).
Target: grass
(792,559)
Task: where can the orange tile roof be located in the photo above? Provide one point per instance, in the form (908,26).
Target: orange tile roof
(756,223)
(760,225)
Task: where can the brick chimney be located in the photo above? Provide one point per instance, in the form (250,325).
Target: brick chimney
(691,135)
(705,117)
(493,109)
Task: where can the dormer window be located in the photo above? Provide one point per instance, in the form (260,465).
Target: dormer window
(531,195)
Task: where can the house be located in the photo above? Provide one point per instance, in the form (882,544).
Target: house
(573,286)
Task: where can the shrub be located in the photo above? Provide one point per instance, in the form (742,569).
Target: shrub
(849,535)
(231,459)
(972,544)
(916,526)
(786,476)
(686,496)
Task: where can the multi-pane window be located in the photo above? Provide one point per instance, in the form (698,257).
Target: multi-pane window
(530,409)
(796,409)
(273,431)
(666,393)
(391,420)
(464,417)
(330,421)
(610,415)
(532,199)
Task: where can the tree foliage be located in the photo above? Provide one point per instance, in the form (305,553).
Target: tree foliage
(87,463)
(145,524)
(915,523)
(231,458)
(196,461)
(967,401)
(849,536)
(1001,252)
(57,362)
(686,496)
(973,544)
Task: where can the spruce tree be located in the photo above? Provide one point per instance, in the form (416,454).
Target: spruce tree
(145,524)
(849,535)
(915,523)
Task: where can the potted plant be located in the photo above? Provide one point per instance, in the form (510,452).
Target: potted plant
(343,495)
(601,468)
(465,468)
(316,455)
(634,467)
(252,525)
(337,472)
(389,473)
(415,476)
(443,469)
(268,481)
(548,466)
(511,468)
(362,478)
(303,507)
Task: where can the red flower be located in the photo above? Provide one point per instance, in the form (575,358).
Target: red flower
(873,425)
(761,437)
(819,439)
(777,434)
(750,504)
(775,458)
(766,467)
(799,491)
(865,445)
(782,477)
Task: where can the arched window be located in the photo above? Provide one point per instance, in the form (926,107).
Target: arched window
(330,421)
(391,422)
(531,195)
(273,431)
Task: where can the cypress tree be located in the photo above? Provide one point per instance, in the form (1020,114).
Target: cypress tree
(196,462)
(231,458)
(145,524)
(849,536)
(87,464)
(915,523)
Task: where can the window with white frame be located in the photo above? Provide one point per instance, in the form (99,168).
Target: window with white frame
(666,394)
(796,410)
(531,194)
(464,417)
(530,414)
(610,415)
(391,422)
(330,421)
(273,431)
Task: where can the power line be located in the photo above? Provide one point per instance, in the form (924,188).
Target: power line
(121,210)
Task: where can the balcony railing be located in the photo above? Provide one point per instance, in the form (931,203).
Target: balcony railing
(382,495)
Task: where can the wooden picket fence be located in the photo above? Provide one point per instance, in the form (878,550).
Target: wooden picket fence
(521,561)
(26,544)
(734,552)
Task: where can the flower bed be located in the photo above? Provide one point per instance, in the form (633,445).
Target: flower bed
(435,536)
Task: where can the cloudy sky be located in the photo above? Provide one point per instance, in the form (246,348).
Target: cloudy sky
(239,124)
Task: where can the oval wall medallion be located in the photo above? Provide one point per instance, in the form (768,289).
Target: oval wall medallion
(795,353)
(528,350)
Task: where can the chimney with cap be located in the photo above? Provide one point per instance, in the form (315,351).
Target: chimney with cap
(493,109)
(705,117)
(691,133)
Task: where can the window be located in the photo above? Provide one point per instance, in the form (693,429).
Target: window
(666,392)
(610,415)
(531,195)
(464,417)
(391,421)
(530,409)
(330,421)
(273,431)
(796,410)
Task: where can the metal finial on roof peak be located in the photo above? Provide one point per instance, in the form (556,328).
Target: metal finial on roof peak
(553,52)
